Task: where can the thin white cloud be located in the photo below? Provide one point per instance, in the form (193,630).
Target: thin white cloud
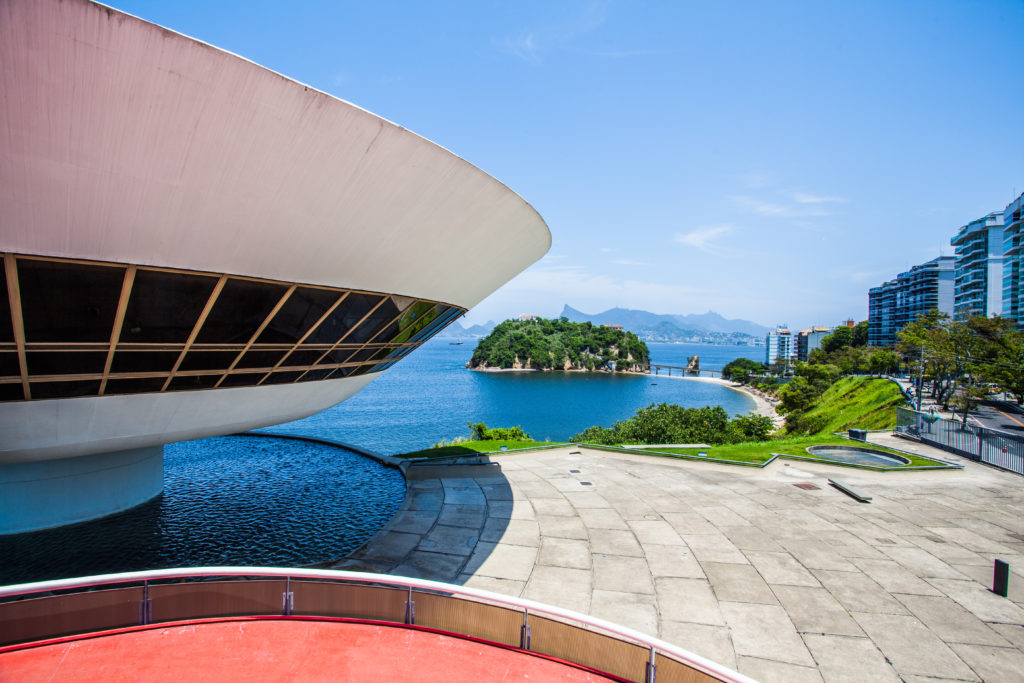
(702,238)
(763,208)
(804,198)
(533,45)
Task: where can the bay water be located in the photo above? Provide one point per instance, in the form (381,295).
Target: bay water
(430,396)
(266,502)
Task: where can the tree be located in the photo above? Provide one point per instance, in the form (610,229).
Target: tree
(740,369)
(840,338)
(860,334)
(883,361)
(670,423)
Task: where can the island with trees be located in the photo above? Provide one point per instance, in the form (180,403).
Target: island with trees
(544,344)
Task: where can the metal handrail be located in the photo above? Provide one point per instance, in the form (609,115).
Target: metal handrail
(691,659)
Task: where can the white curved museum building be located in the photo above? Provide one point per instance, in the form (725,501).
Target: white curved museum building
(194,245)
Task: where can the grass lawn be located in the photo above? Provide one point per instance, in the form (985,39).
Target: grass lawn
(761,452)
(473,448)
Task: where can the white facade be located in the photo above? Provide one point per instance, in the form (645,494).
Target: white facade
(978,269)
(131,146)
(780,344)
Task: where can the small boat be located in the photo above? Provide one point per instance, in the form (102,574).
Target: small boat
(456,343)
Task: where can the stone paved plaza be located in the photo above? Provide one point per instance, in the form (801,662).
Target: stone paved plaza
(739,565)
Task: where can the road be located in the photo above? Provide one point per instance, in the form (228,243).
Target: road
(1002,415)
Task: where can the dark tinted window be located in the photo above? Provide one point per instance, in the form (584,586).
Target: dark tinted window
(260,359)
(164,307)
(345,316)
(41,390)
(247,379)
(303,357)
(304,307)
(282,377)
(375,323)
(315,375)
(240,309)
(144,361)
(9,366)
(208,360)
(68,302)
(65,362)
(11,392)
(133,386)
(6,329)
(186,383)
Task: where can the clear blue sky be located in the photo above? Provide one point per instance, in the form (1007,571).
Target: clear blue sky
(766,160)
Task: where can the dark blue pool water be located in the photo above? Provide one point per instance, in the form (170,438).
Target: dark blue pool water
(226,501)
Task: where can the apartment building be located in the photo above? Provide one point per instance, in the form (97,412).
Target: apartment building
(900,301)
(978,267)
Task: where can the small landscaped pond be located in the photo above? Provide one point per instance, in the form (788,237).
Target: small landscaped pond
(858,456)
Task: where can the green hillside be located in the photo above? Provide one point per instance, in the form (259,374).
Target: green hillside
(852,402)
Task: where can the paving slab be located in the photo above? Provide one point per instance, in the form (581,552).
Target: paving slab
(858,592)
(770,671)
(712,642)
(738,583)
(714,547)
(842,659)
(688,600)
(980,601)
(780,568)
(622,573)
(671,560)
(602,518)
(565,552)
(815,610)
(737,564)
(615,542)
(503,561)
(560,586)
(552,526)
(947,619)
(632,610)
(655,532)
(912,648)
(765,632)
(894,578)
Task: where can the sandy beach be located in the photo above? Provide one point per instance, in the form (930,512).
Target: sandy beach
(764,405)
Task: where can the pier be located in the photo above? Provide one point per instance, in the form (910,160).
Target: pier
(681,371)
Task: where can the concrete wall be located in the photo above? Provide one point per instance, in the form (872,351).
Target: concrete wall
(50,493)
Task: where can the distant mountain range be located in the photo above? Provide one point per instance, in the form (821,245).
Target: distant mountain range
(457,330)
(703,327)
(686,325)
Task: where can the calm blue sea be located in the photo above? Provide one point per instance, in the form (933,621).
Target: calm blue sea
(430,396)
(258,501)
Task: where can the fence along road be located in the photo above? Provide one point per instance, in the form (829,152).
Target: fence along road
(991,446)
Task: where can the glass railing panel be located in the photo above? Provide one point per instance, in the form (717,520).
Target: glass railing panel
(201,599)
(352,601)
(496,624)
(588,648)
(60,615)
(669,670)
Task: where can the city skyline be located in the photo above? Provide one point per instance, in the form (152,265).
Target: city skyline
(767,163)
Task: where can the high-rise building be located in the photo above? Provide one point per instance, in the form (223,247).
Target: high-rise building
(978,269)
(900,301)
(779,345)
(1013,261)
(882,314)
(810,339)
